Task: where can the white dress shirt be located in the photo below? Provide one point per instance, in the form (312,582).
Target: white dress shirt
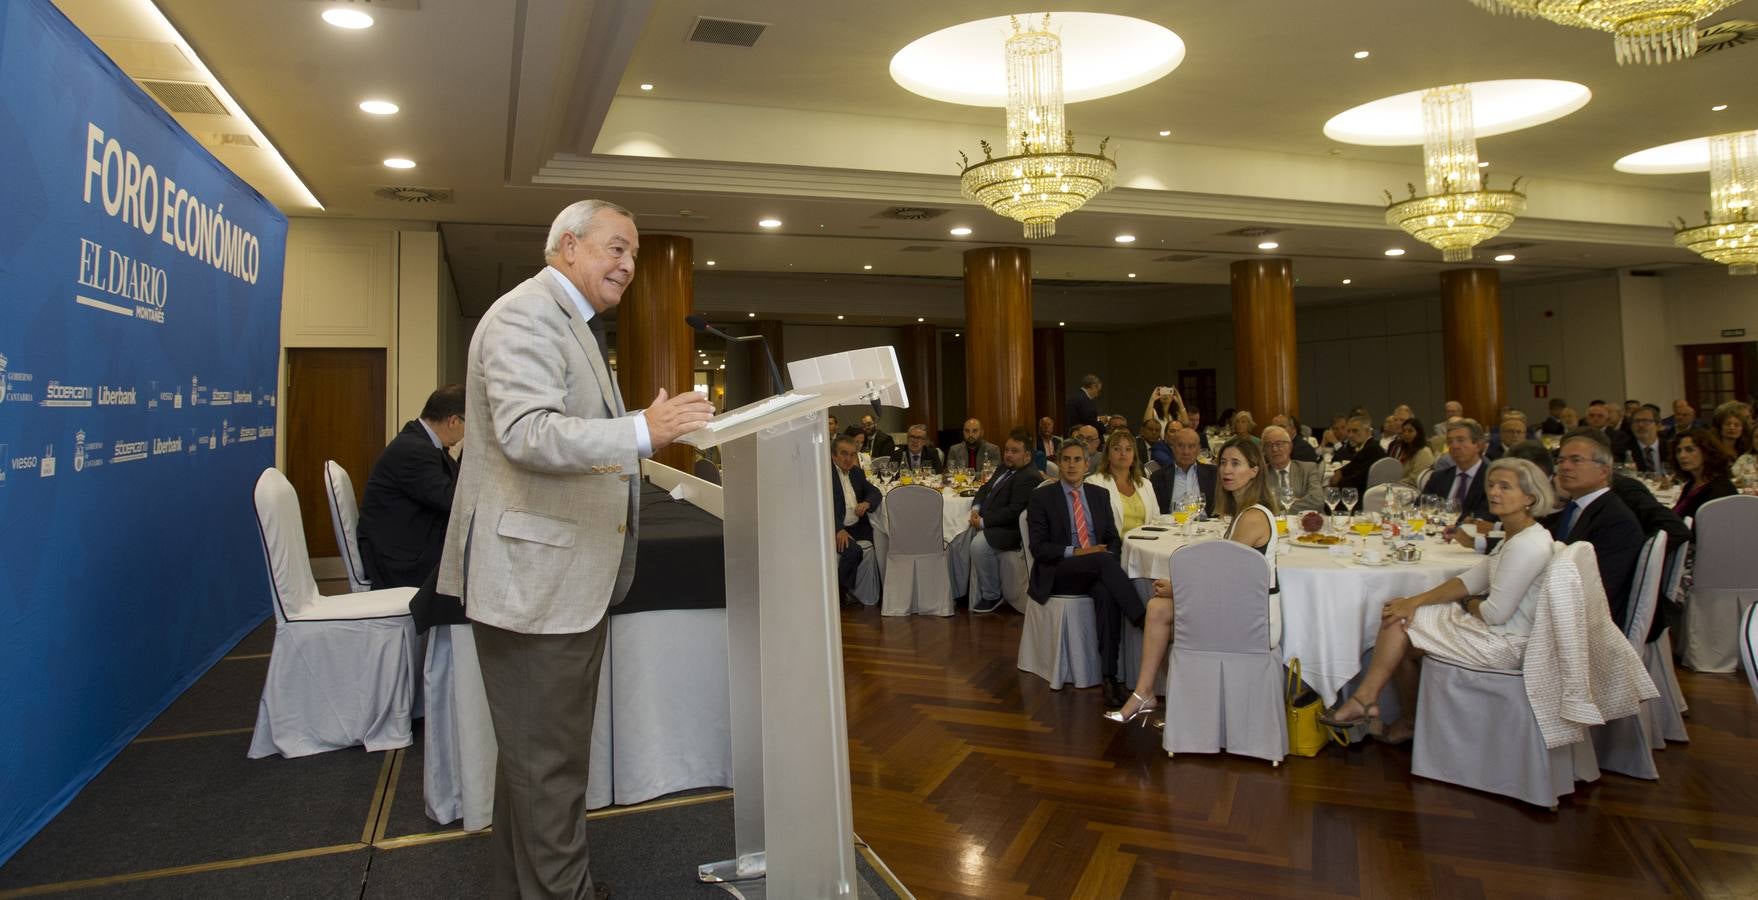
(643,442)
(848,498)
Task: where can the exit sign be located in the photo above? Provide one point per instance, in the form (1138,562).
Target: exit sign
(1733,332)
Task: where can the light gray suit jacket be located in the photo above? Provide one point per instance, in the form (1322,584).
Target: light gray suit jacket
(542,534)
(1307,481)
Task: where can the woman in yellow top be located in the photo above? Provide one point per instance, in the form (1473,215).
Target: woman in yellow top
(1132,497)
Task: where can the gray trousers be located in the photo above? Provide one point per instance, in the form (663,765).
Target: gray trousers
(542,695)
(971,551)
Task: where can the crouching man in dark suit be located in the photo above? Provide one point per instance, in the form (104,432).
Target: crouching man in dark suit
(408,497)
(994,523)
(852,498)
(1076,550)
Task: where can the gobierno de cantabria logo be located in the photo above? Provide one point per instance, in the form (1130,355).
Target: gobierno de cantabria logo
(2,378)
(79,451)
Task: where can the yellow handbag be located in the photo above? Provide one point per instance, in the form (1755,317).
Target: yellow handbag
(1306,734)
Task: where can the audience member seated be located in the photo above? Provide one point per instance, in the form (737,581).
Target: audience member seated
(1088,437)
(1297,482)
(973,452)
(1336,437)
(1165,406)
(1390,431)
(1463,481)
(1600,416)
(1595,515)
(408,497)
(1224,424)
(1151,447)
(1083,404)
(1175,485)
(1570,418)
(1116,423)
(1411,449)
(1247,497)
(1076,550)
(1244,425)
(852,498)
(1553,424)
(1302,448)
(1480,618)
(917,453)
(994,524)
(1650,450)
(1734,424)
(1511,430)
(1132,497)
(1044,446)
(878,443)
(1193,419)
(1453,411)
(1701,459)
(1683,419)
(832,422)
(1365,450)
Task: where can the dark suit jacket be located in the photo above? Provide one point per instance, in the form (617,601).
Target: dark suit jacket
(931,456)
(1051,531)
(880,444)
(1551,425)
(1303,451)
(1476,504)
(1162,482)
(1001,509)
(1663,450)
(862,530)
(1622,445)
(1654,517)
(404,510)
(1617,540)
(1083,410)
(1714,490)
(1354,475)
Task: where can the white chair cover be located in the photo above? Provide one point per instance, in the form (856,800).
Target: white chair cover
(915,558)
(1666,720)
(345,519)
(1384,471)
(458,746)
(1626,745)
(1423,476)
(1375,498)
(1749,647)
(1060,640)
(1724,582)
(1224,688)
(342,670)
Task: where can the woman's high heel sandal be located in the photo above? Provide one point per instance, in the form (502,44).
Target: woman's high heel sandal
(1141,712)
(1370,715)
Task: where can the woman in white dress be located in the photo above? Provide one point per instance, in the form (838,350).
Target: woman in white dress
(1482,617)
(1246,496)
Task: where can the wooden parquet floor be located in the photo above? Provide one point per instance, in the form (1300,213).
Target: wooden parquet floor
(973,779)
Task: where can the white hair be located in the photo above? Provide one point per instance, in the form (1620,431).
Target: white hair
(1533,483)
(576,219)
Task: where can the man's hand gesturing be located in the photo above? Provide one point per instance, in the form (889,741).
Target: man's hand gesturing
(669,418)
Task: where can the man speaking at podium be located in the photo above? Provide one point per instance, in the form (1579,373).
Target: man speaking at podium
(541,540)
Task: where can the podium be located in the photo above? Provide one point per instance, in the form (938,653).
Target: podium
(793,825)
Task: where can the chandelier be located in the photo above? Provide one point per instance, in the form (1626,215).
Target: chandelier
(1457,214)
(1730,233)
(1041,178)
(1644,31)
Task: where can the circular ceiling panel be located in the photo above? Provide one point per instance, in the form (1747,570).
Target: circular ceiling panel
(1497,107)
(1102,55)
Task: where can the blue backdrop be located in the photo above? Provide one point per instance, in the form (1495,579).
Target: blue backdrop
(140,304)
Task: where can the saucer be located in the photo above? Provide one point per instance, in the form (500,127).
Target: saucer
(1372,565)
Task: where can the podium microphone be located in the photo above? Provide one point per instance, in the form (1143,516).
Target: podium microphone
(701,325)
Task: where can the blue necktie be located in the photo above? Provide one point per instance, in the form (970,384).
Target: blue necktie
(1567,521)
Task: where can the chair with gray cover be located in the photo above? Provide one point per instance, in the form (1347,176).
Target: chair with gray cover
(1749,646)
(345,519)
(1724,583)
(1384,471)
(1225,677)
(343,669)
(1624,745)
(1060,640)
(1666,714)
(915,555)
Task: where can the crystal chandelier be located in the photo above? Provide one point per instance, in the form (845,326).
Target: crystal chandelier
(1041,177)
(1644,31)
(1730,233)
(1457,214)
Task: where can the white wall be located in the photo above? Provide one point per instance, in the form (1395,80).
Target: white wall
(1702,301)
(1652,370)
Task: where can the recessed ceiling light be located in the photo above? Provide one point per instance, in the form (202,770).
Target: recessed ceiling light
(379,107)
(1362,54)
(839,317)
(1395,251)
(866,268)
(646,86)
(1718,107)
(1061,324)
(1268,245)
(1505,257)
(397,162)
(1125,239)
(723,365)
(1165,132)
(960,231)
(1348,281)
(750,315)
(352,19)
(769,223)
(711,262)
(921,319)
(957,334)
(1132,274)
(1483,164)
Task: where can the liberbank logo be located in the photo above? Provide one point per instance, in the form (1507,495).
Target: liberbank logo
(115,396)
(163,446)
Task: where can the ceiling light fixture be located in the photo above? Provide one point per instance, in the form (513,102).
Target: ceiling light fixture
(379,107)
(1041,178)
(1643,31)
(1348,281)
(839,317)
(750,315)
(769,223)
(1718,107)
(1268,245)
(351,19)
(1362,54)
(1457,213)
(1395,251)
(1504,257)
(1482,164)
(1730,234)
(1165,132)
(1125,239)
(646,86)
(957,335)
(1061,324)
(711,262)
(867,268)
(397,162)
(921,319)
(960,231)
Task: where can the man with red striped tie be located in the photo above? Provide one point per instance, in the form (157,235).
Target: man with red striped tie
(1076,550)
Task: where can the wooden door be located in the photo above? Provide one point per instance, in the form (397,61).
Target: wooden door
(1717,373)
(1197,387)
(335,410)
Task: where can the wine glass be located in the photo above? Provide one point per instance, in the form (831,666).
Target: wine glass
(1351,497)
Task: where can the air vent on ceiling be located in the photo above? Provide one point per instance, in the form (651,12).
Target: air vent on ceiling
(1254,231)
(730,32)
(919,248)
(190,97)
(1723,35)
(910,213)
(1179,257)
(412,194)
(230,139)
(1506,246)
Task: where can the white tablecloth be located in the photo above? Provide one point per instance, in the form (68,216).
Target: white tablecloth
(1330,608)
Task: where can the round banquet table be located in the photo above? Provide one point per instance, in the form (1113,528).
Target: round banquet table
(1330,606)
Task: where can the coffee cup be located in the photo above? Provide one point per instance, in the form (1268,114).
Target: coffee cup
(1371,557)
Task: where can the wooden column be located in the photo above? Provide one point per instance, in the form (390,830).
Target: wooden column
(1266,377)
(919,355)
(655,346)
(998,338)
(1471,331)
(1051,371)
